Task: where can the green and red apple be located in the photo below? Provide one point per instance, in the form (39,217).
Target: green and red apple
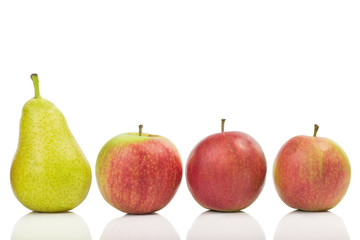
(226,171)
(311,173)
(138,173)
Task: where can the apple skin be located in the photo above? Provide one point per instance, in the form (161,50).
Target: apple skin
(226,171)
(311,173)
(138,174)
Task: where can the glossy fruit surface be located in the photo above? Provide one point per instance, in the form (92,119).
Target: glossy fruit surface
(311,173)
(138,173)
(226,171)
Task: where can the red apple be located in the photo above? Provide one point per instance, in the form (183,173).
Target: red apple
(311,173)
(138,173)
(226,171)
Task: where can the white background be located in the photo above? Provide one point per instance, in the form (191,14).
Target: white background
(271,68)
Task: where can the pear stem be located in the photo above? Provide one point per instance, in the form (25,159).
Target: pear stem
(222,124)
(316,128)
(140,129)
(35,79)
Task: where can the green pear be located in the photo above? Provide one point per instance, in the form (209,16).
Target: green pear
(49,172)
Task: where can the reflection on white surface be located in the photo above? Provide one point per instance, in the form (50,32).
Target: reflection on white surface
(217,225)
(39,226)
(311,226)
(150,226)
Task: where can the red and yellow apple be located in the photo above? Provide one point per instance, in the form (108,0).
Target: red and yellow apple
(226,171)
(311,173)
(138,173)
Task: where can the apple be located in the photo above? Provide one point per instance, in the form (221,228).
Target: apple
(138,173)
(226,171)
(311,173)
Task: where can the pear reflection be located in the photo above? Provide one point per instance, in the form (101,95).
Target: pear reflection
(311,226)
(217,225)
(52,226)
(151,226)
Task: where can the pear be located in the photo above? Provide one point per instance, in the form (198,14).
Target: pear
(49,172)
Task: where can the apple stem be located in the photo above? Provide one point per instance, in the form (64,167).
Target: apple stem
(316,128)
(35,79)
(222,124)
(140,129)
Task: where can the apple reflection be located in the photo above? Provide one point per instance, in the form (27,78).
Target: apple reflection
(54,226)
(311,226)
(212,225)
(150,226)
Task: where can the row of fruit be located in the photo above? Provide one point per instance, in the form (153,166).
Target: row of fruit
(140,173)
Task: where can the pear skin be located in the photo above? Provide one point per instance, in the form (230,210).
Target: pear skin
(49,172)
